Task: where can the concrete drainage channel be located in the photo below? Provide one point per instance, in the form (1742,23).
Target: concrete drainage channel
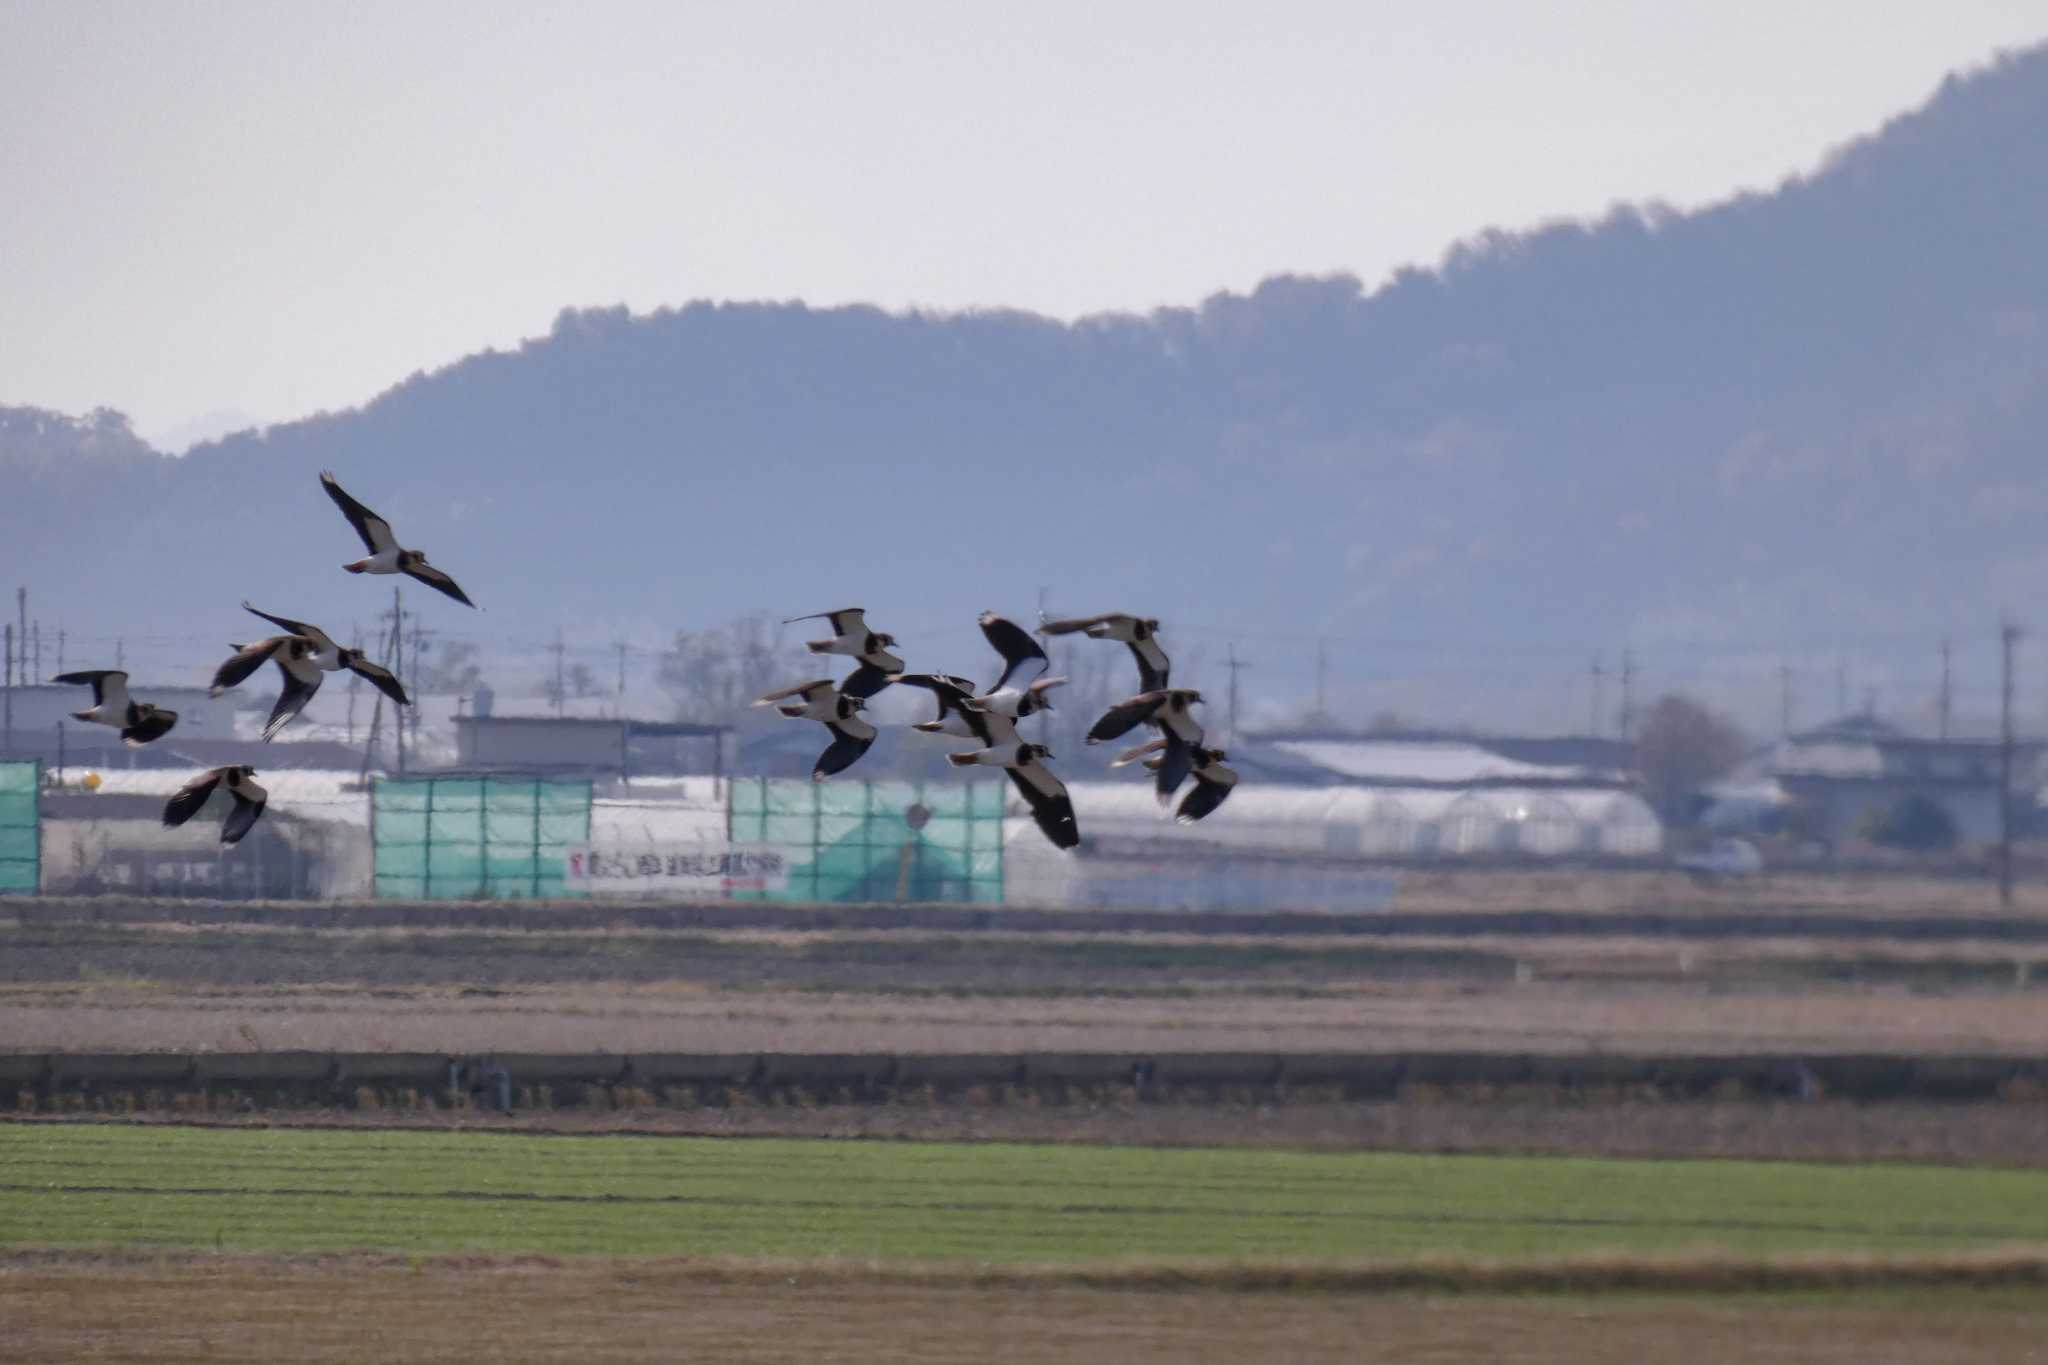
(508,1081)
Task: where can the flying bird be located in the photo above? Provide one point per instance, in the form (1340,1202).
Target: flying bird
(1140,633)
(385,555)
(138,721)
(1213,779)
(1018,702)
(1015,644)
(952,693)
(1167,709)
(1051,807)
(238,778)
(302,654)
(852,638)
(819,700)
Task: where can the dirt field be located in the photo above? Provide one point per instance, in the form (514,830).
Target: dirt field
(62,1309)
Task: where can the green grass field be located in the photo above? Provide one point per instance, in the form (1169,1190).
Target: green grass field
(281,1190)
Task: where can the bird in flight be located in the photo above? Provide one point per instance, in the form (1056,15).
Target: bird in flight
(385,555)
(238,778)
(302,654)
(138,721)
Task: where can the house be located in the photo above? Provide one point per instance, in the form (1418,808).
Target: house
(1847,774)
(582,744)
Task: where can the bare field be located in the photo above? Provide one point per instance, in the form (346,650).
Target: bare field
(169,1309)
(2009,1135)
(122,1008)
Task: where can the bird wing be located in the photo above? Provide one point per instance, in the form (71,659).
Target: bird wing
(848,744)
(247,659)
(947,690)
(374,530)
(1051,807)
(845,621)
(1130,756)
(292,700)
(382,678)
(1174,766)
(439,582)
(1125,716)
(1014,643)
(802,689)
(867,680)
(1153,665)
(190,798)
(241,819)
(291,627)
(1073,624)
(153,726)
(1212,787)
(105,683)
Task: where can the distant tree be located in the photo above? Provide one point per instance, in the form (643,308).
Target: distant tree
(582,682)
(450,666)
(1916,822)
(714,675)
(1681,746)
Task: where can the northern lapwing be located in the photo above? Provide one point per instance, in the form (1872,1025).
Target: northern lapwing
(302,655)
(1140,633)
(138,721)
(239,779)
(385,555)
(819,700)
(1051,807)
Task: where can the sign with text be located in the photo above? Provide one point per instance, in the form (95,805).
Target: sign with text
(696,868)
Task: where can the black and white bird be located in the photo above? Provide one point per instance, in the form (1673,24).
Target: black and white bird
(952,693)
(1213,778)
(239,780)
(819,700)
(1015,644)
(852,638)
(302,655)
(1051,807)
(385,555)
(1018,702)
(1140,633)
(1167,709)
(138,721)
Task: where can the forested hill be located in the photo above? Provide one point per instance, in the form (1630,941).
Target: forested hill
(1818,413)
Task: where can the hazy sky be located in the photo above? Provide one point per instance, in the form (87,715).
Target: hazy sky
(273,209)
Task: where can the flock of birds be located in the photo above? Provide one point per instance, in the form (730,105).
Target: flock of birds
(989,716)
(304,654)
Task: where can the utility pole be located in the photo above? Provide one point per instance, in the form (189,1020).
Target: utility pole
(1598,675)
(621,647)
(394,659)
(2008,637)
(1628,694)
(1322,689)
(1842,685)
(8,687)
(421,637)
(36,631)
(355,679)
(1234,664)
(21,635)
(60,649)
(121,654)
(1784,701)
(1947,702)
(561,690)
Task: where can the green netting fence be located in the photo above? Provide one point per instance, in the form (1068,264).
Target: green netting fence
(475,838)
(21,836)
(876,841)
